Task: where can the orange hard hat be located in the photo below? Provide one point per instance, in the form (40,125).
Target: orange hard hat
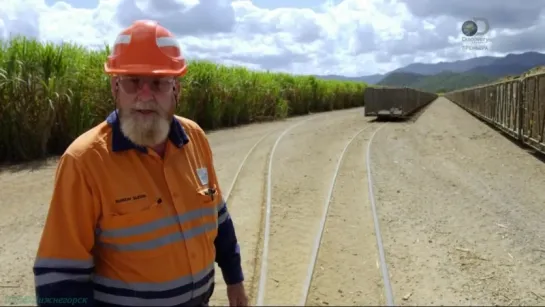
(146,48)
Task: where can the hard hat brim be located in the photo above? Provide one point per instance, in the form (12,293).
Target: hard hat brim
(144,70)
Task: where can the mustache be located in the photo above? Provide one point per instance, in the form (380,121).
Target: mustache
(146,106)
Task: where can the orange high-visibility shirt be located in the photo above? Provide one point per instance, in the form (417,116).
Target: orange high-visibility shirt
(126,227)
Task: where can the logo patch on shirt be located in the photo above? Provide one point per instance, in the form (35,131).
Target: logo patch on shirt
(203,175)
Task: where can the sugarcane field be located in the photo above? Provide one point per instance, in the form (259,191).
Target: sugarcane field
(341,193)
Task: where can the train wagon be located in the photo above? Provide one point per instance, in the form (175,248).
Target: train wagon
(513,106)
(395,103)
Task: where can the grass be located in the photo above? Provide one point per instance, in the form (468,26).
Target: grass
(50,94)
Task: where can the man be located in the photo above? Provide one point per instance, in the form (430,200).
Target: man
(137,217)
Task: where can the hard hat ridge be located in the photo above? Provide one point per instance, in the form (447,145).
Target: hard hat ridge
(146,48)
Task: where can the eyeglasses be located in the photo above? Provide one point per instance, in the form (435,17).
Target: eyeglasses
(158,85)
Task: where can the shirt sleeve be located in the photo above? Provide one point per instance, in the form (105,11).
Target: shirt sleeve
(227,248)
(64,261)
(226,243)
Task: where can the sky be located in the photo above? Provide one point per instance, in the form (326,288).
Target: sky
(341,37)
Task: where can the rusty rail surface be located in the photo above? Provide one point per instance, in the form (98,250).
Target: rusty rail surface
(516,107)
(385,102)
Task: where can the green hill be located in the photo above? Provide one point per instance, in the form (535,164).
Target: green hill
(471,71)
(401,79)
(448,81)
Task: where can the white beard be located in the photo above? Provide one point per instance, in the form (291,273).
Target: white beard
(144,130)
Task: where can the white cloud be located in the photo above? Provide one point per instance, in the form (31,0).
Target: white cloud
(354,37)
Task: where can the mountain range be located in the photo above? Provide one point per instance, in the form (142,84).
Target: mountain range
(447,76)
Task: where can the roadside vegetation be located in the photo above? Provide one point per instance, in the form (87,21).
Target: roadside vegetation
(50,94)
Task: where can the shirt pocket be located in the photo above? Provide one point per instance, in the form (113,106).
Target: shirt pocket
(139,234)
(208,200)
(131,207)
(207,196)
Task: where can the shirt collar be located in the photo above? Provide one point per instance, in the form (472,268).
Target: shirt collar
(120,142)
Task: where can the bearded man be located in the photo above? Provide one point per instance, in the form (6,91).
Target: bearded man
(137,217)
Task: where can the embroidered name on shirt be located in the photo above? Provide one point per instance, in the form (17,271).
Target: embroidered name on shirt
(136,197)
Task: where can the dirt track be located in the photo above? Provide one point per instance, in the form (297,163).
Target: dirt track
(460,210)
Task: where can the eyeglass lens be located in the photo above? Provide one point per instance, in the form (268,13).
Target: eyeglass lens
(132,84)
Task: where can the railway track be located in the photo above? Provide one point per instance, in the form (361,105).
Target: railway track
(259,279)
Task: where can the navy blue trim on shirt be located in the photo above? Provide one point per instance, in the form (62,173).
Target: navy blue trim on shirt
(120,142)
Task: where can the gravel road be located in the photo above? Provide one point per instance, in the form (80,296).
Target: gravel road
(460,210)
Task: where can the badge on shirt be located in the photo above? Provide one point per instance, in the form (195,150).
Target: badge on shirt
(203,175)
